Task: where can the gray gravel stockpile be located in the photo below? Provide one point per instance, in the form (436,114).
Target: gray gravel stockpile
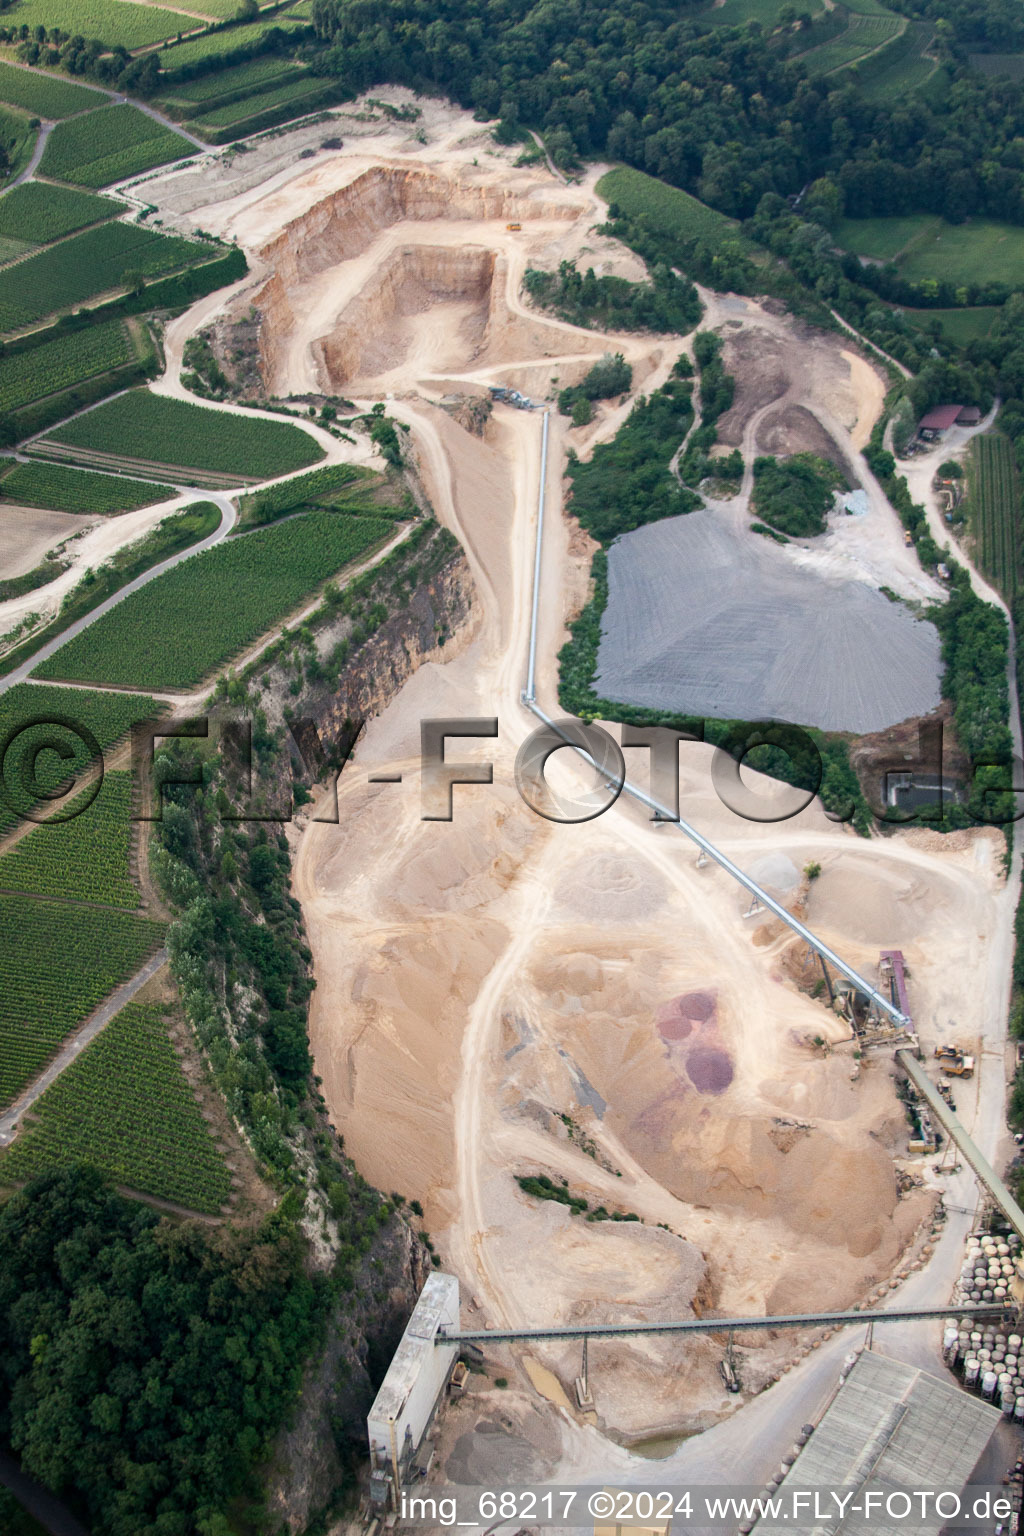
(707,619)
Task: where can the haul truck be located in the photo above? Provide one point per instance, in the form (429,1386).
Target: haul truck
(955,1061)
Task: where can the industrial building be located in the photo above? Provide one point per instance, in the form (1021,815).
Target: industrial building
(409,1395)
(939,420)
(891,1427)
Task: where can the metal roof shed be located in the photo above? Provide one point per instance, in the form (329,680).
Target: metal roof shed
(940,419)
(893,1427)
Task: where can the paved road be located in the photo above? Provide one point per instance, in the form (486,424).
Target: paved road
(229,517)
(73,1047)
(39,1501)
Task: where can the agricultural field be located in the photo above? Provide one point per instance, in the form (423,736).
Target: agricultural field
(27,713)
(994,512)
(10,250)
(865,33)
(959,325)
(85,858)
(232,594)
(922,246)
(115,21)
(294,90)
(17,140)
(38,214)
(43,95)
(734,13)
(903,67)
(667,210)
(109,145)
(126,1107)
(58,961)
(60,488)
(883,239)
(1010,65)
(210,43)
(240,80)
(162,432)
(87,265)
(319,486)
(977,251)
(63,362)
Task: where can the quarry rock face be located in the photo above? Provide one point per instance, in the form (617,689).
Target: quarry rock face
(347,222)
(311,1458)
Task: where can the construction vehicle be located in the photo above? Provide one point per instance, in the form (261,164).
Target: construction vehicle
(946,1090)
(955,1061)
(513,227)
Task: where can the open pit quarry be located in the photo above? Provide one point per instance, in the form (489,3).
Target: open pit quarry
(501,996)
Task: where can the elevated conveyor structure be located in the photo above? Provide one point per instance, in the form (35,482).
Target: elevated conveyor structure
(950,1122)
(529,700)
(718,1324)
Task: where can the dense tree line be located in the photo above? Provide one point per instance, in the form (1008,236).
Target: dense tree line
(626,482)
(795,495)
(146,1365)
(720,111)
(665,303)
(611,376)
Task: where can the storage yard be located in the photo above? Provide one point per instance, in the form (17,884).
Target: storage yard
(701,620)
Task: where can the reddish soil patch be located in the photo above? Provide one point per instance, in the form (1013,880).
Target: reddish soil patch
(675,1028)
(710,1071)
(699,1006)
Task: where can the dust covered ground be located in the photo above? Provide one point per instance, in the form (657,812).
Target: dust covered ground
(499,996)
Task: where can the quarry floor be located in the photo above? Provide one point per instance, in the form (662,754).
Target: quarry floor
(499,995)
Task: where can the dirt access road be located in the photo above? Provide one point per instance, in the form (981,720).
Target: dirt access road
(500,995)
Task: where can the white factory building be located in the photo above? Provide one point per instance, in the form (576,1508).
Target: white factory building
(413,1387)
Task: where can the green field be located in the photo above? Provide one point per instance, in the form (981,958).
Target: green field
(115,21)
(38,213)
(86,858)
(58,961)
(1009,64)
(734,13)
(239,80)
(883,239)
(902,68)
(87,265)
(264,506)
(666,209)
(63,489)
(209,43)
(10,249)
(977,251)
(177,630)
(105,716)
(865,33)
(295,90)
(164,432)
(45,95)
(959,325)
(64,361)
(126,1107)
(109,145)
(994,511)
